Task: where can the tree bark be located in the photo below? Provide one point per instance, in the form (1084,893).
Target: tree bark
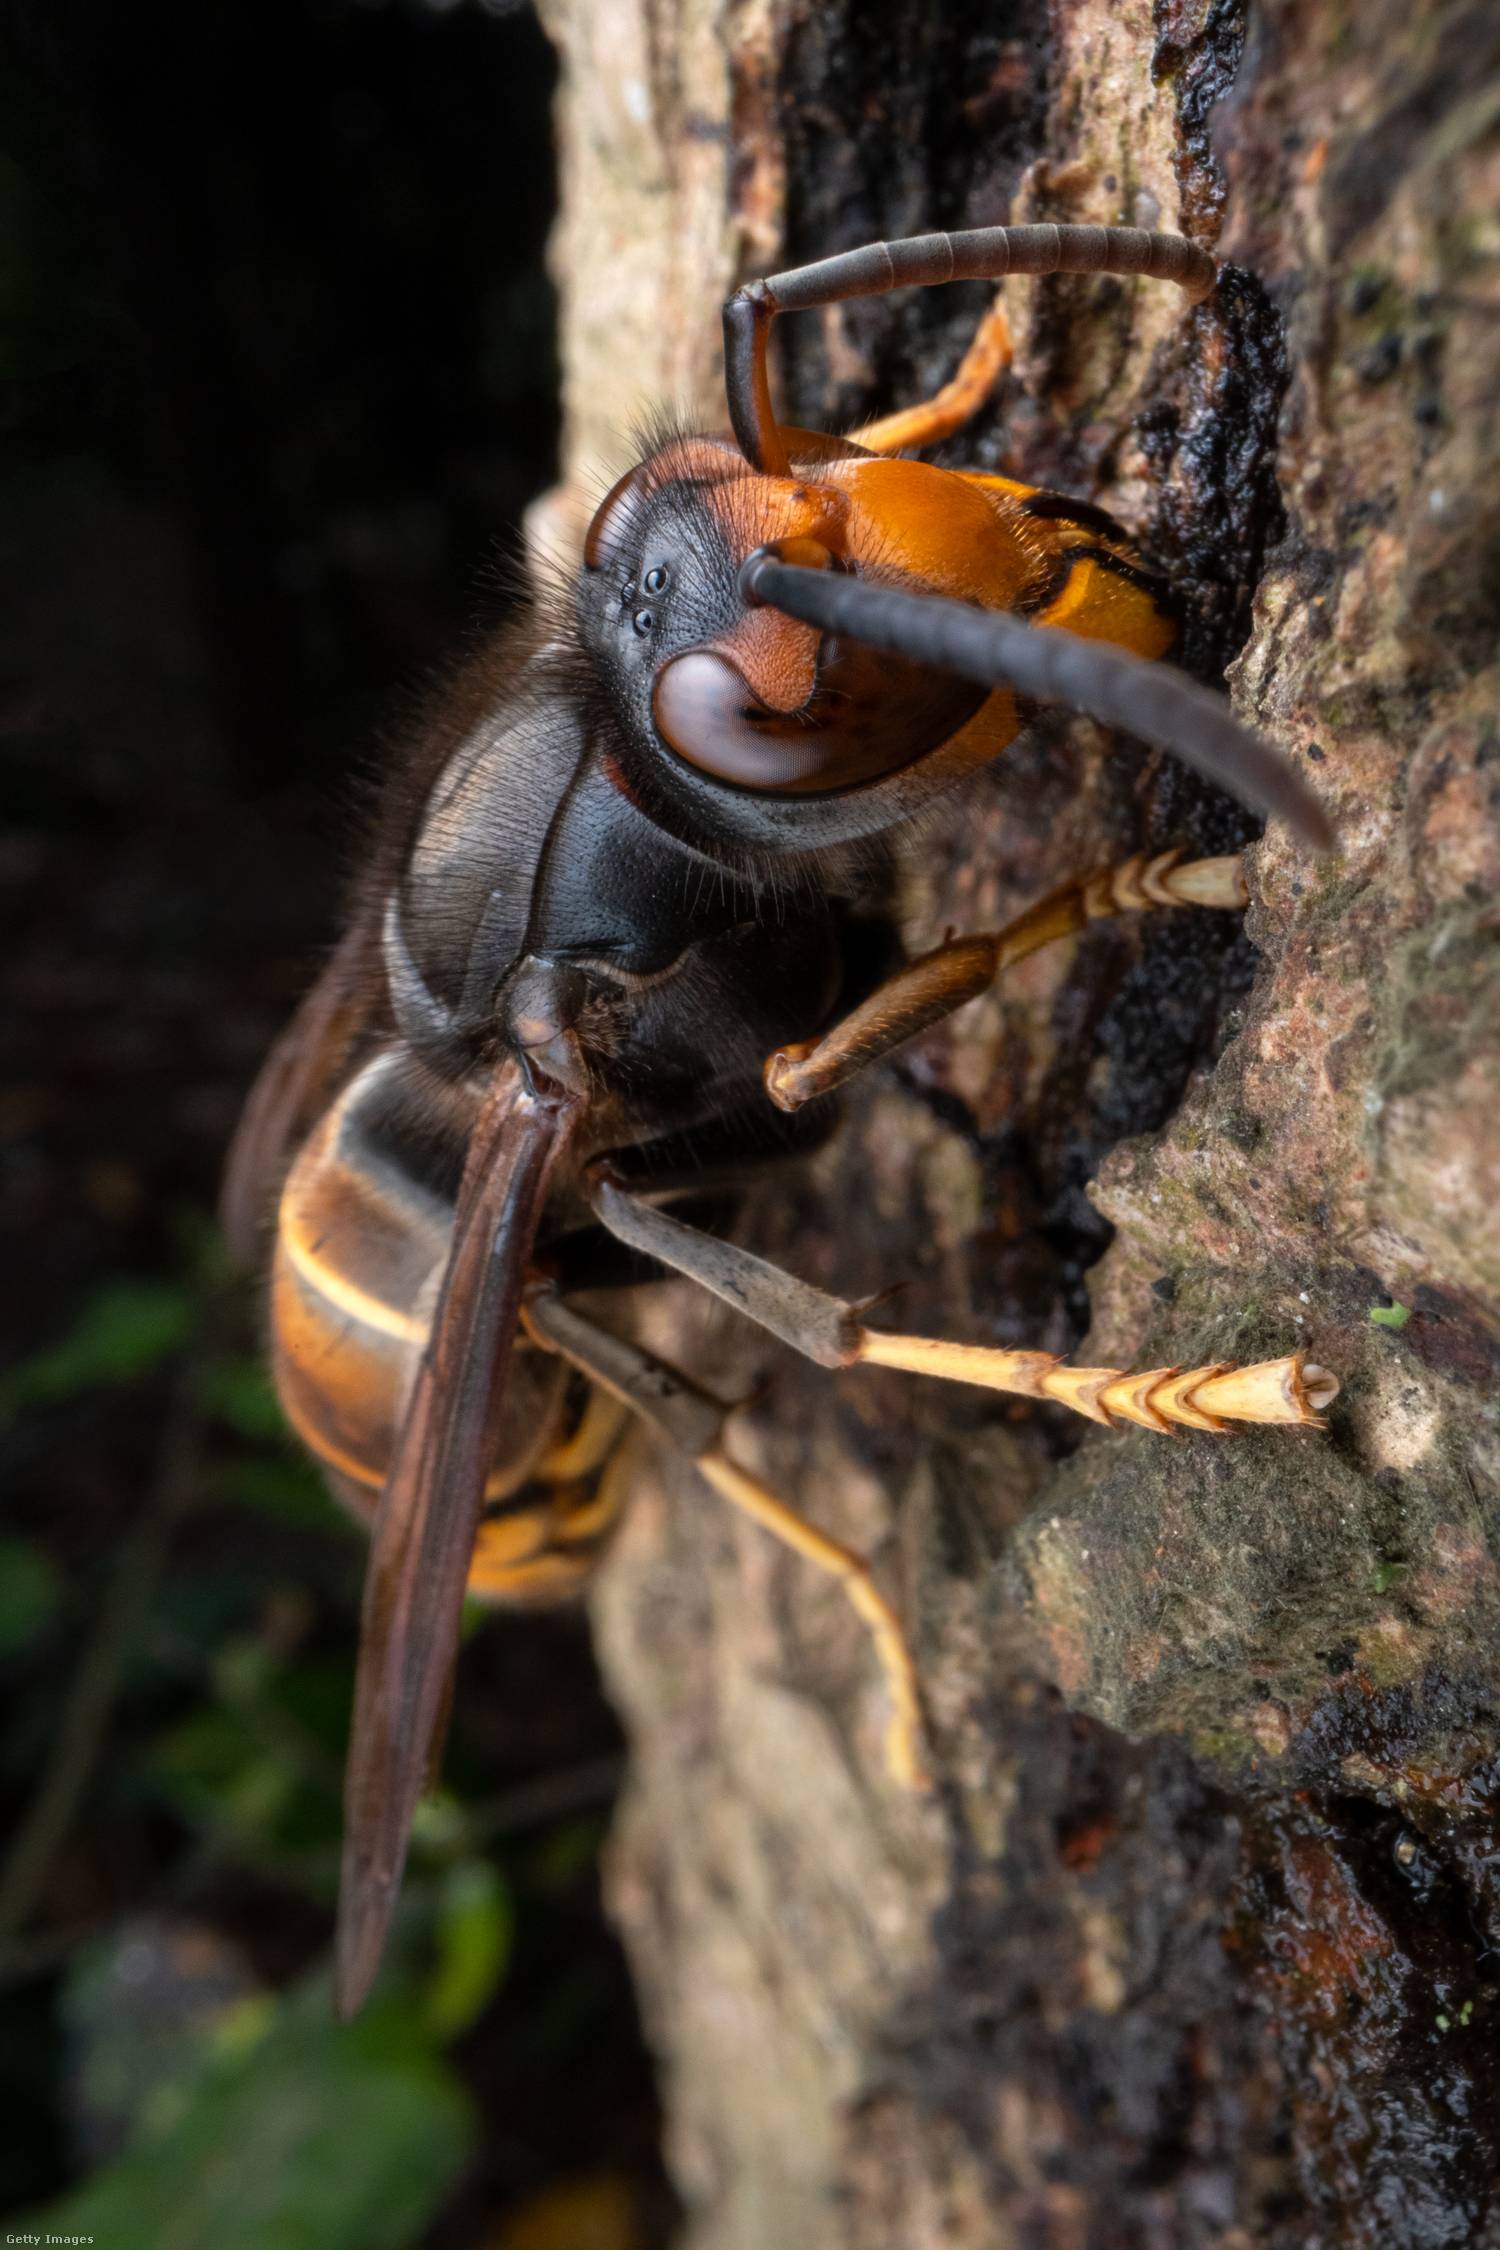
(1194,1942)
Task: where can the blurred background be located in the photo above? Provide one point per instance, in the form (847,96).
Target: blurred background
(279,377)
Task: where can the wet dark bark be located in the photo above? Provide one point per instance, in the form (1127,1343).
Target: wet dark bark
(1195,1942)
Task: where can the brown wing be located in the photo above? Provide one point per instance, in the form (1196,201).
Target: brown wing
(425,1525)
(296,1079)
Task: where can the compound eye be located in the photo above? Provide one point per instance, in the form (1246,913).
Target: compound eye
(868,715)
(658,579)
(644,620)
(707,712)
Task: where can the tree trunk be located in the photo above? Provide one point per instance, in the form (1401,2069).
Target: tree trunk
(1194,1942)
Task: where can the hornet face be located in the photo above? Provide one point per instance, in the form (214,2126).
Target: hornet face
(750,697)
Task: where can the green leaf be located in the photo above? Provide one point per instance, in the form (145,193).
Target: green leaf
(201,1249)
(439,1823)
(219,1776)
(242,1393)
(141,2009)
(319,2137)
(285,1487)
(126,1329)
(1390,1316)
(564,1852)
(475,1930)
(30,1594)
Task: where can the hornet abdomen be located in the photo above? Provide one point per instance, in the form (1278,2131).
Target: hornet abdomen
(362,1238)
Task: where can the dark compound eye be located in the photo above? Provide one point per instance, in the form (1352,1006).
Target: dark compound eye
(643,620)
(658,579)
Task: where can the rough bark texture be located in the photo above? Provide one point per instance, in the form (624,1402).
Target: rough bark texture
(1195,1941)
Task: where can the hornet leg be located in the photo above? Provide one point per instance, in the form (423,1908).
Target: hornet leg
(981,254)
(983,364)
(694,1421)
(928,989)
(828,1330)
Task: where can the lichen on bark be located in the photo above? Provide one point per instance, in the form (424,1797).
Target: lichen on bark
(1191,1944)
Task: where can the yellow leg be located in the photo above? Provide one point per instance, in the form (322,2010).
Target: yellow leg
(694,1422)
(1287,1391)
(904,1734)
(590,1445)
(928,989)
(985,361)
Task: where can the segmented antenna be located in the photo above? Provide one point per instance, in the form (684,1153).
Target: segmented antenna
(993,647)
